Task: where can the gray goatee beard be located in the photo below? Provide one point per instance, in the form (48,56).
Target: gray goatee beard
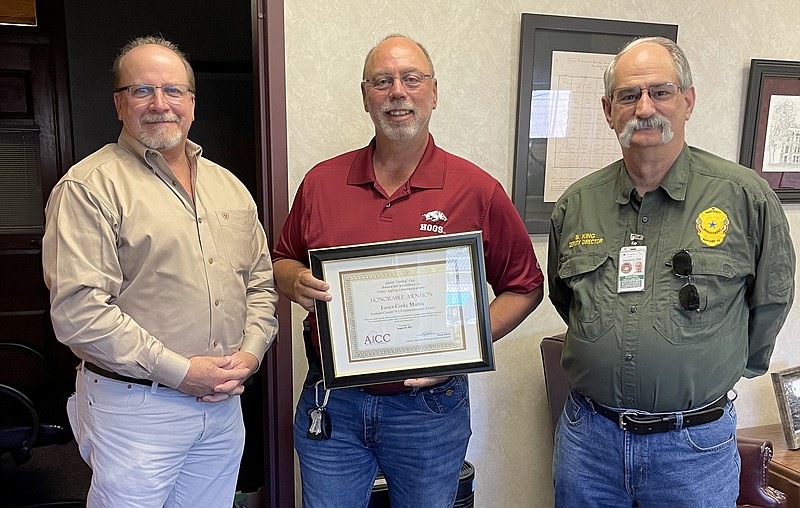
(163,137)
(652,122)
(400,132)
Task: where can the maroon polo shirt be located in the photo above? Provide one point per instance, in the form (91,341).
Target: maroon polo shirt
(340,203)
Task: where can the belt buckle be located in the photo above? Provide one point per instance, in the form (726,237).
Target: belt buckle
(621,418)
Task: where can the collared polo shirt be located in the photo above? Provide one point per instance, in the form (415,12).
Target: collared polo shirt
(340,203)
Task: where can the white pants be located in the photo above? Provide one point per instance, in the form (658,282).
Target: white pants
(153,447)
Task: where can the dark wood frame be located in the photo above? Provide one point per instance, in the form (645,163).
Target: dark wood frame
(540,36)
(269,77)
(767,78)
(393,251)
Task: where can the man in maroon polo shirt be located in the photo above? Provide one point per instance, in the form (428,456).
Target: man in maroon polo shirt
(399,186)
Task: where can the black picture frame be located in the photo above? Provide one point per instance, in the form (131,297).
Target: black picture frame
(768,78)
(427,294)
(540,36)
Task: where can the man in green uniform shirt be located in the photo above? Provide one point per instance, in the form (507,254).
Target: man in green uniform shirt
(674,270)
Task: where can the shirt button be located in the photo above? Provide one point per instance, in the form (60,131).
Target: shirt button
(210,261)
(388,205)
(216,303)
(645,219)
(628,357)
(174,183)
(633,309)
(200,220)
(216,344)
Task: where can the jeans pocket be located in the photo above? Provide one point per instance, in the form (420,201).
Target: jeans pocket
(574,410)
(446,397)
(714,435)
(114,396)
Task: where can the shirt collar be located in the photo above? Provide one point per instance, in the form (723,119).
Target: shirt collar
(431,176)
(674,183)
(677,178)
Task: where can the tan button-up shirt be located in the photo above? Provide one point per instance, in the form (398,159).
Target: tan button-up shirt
(142,278)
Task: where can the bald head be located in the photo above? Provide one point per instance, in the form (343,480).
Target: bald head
(392,40)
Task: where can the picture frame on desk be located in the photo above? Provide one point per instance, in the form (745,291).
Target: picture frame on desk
(786,384)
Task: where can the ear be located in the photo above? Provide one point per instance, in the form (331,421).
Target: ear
(364,96)
(607,110)
(118,104)
(689,97)
(435,93)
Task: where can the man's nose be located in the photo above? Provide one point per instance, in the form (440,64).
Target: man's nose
(397,90)
(159,100)
(645,106)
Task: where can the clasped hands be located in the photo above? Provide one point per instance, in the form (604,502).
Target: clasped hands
(218,378)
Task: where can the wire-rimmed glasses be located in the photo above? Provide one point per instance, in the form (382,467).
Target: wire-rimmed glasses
(411,80)
(659,92)
(172,93)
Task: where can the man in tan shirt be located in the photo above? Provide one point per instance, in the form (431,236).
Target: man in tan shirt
(161,282)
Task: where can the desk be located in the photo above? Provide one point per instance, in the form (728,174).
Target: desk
(784,468)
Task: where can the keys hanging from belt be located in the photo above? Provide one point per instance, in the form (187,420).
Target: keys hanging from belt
(319,420)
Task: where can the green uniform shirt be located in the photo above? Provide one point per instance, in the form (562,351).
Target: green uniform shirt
(642,350)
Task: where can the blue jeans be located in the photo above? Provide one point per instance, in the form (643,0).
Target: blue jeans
(418,439)
(596,464)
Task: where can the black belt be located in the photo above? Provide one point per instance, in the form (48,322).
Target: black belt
(378,392)
(637,423)
(113,375)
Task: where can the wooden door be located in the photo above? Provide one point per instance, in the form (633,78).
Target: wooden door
(35,148)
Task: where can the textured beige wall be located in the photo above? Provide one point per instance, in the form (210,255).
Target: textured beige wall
(475,48)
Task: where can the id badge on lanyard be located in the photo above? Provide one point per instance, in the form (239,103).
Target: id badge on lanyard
(631,266)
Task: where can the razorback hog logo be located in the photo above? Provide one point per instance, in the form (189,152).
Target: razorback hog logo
(435,216)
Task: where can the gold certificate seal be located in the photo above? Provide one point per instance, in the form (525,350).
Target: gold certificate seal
(711,225)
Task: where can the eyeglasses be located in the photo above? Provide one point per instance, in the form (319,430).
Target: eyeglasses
(682,267)
(172,93)
(410,80)
(660,92)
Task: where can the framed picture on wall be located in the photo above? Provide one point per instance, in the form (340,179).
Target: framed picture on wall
(771,128)
(787,393)
(561,132)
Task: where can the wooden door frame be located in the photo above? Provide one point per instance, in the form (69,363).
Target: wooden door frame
(269,78)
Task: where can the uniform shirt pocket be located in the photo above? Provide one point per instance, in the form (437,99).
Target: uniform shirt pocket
(587,276)
(712,274)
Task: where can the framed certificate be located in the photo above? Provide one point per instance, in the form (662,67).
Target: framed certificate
(403,309)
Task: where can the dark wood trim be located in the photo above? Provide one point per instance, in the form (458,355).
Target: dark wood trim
(272,178)
(60,82)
